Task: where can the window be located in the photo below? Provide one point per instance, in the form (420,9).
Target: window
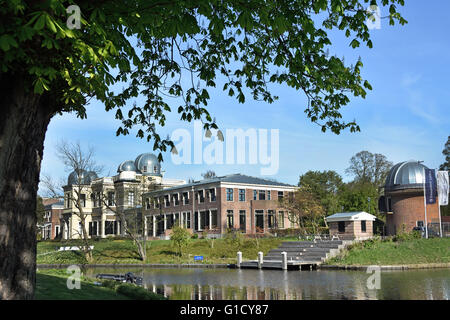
(389,204)
(242,220)
(201,196)
(229,194)
(268,194)
(259,220)
(341,226)
(262,194)
(213,218)
(230,219)
(111,200)
(280,221)
(188,220)
(131,198)
(363,226)
(166,201)
(185,198)
(270,219)
(420,223)
(212,194)
(241,194)
(204,219)
(109,227)
(255,195)
(175,199)
(280,195)
(144,169)
(83,200)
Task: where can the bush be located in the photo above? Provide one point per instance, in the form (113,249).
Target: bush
(180,238)
(194,236)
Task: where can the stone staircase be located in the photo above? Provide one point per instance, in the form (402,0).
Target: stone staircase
(306,251)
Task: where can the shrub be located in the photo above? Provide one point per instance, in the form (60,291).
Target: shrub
(194,236)
(180,238)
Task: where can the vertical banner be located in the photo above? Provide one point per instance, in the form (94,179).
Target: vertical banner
(430,186)
(442,187)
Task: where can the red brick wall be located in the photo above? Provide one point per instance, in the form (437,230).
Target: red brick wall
(408,208)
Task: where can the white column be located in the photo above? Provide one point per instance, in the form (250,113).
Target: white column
(210,220)
(165,222)
(154,225)
(239,259)
(199,221)
(145,226)
(102,227)
(284,260)
(260,260)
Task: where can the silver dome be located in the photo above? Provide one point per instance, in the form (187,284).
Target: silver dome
(85,177)
(406,175)
(126,166)
(148,164)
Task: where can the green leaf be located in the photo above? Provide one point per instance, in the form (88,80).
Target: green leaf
(40,23)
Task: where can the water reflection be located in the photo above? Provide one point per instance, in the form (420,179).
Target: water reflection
(233,284)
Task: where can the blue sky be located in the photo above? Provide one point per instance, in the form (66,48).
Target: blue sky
(406,115)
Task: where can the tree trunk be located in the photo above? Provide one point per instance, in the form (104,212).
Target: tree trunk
(23,123)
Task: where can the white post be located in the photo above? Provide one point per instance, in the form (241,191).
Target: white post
(440,221)
(284,260)
(165,222)
(239,259)
(260,259)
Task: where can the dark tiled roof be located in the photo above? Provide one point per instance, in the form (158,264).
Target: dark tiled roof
(240,178)
(232,178)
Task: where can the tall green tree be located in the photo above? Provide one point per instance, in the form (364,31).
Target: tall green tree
(446,153)
(153,49)
(325,186)
(367,167)
(445,210)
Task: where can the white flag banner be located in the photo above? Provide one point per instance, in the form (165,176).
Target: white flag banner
(442,187)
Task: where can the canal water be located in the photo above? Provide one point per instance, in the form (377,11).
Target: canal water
(250,284)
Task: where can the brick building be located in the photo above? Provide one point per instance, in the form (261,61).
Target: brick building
(53,209)
(234,201)
(351,225)
(403,199)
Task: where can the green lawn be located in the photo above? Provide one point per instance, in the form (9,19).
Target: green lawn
(159,251)
(412,251)
(52,285)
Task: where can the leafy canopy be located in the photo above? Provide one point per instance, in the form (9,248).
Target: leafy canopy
(158,49)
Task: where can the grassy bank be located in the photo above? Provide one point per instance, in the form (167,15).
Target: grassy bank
(110,251)
(391,252)
(51,284)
